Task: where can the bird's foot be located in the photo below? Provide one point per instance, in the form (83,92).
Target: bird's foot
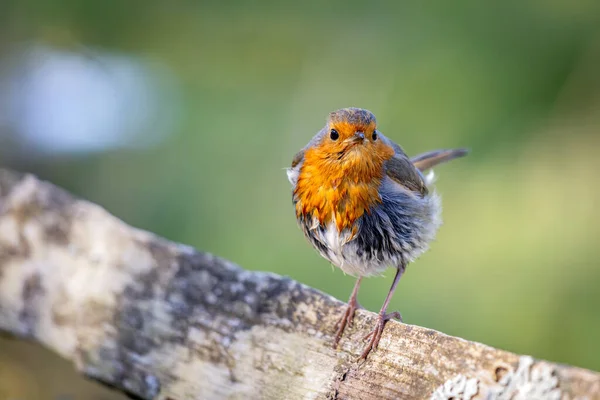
(375,334)
(345,320)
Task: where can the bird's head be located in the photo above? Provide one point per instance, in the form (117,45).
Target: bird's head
(351,139)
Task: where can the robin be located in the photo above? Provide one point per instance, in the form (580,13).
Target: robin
(364,204)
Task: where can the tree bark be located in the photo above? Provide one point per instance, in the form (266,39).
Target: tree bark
(158,319)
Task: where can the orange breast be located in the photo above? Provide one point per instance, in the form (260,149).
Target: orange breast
(339,190)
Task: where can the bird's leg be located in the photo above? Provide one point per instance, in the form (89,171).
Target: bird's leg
(348,315)
(375,334)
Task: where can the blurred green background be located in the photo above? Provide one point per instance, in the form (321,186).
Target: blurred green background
(180,117)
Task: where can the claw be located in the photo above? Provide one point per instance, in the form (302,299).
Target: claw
(344,321)
(348,315)
(376,333)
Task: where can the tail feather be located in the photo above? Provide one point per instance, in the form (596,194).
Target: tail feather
(430,159)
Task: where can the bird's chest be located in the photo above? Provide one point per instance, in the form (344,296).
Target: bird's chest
(336,204)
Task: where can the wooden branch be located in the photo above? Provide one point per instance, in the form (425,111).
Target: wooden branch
(160,320)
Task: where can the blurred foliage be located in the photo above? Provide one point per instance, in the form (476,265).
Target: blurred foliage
(516,264)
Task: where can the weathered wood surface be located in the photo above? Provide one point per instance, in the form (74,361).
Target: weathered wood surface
(161,320)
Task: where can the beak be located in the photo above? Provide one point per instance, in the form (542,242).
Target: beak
(358,137)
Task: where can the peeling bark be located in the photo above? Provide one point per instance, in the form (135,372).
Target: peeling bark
(158,319)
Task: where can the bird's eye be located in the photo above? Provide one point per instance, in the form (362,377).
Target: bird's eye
(334,135)
(374,135)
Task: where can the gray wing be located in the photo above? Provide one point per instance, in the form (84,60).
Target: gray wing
(402,171)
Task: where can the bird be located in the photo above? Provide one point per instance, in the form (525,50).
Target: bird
(364,205)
